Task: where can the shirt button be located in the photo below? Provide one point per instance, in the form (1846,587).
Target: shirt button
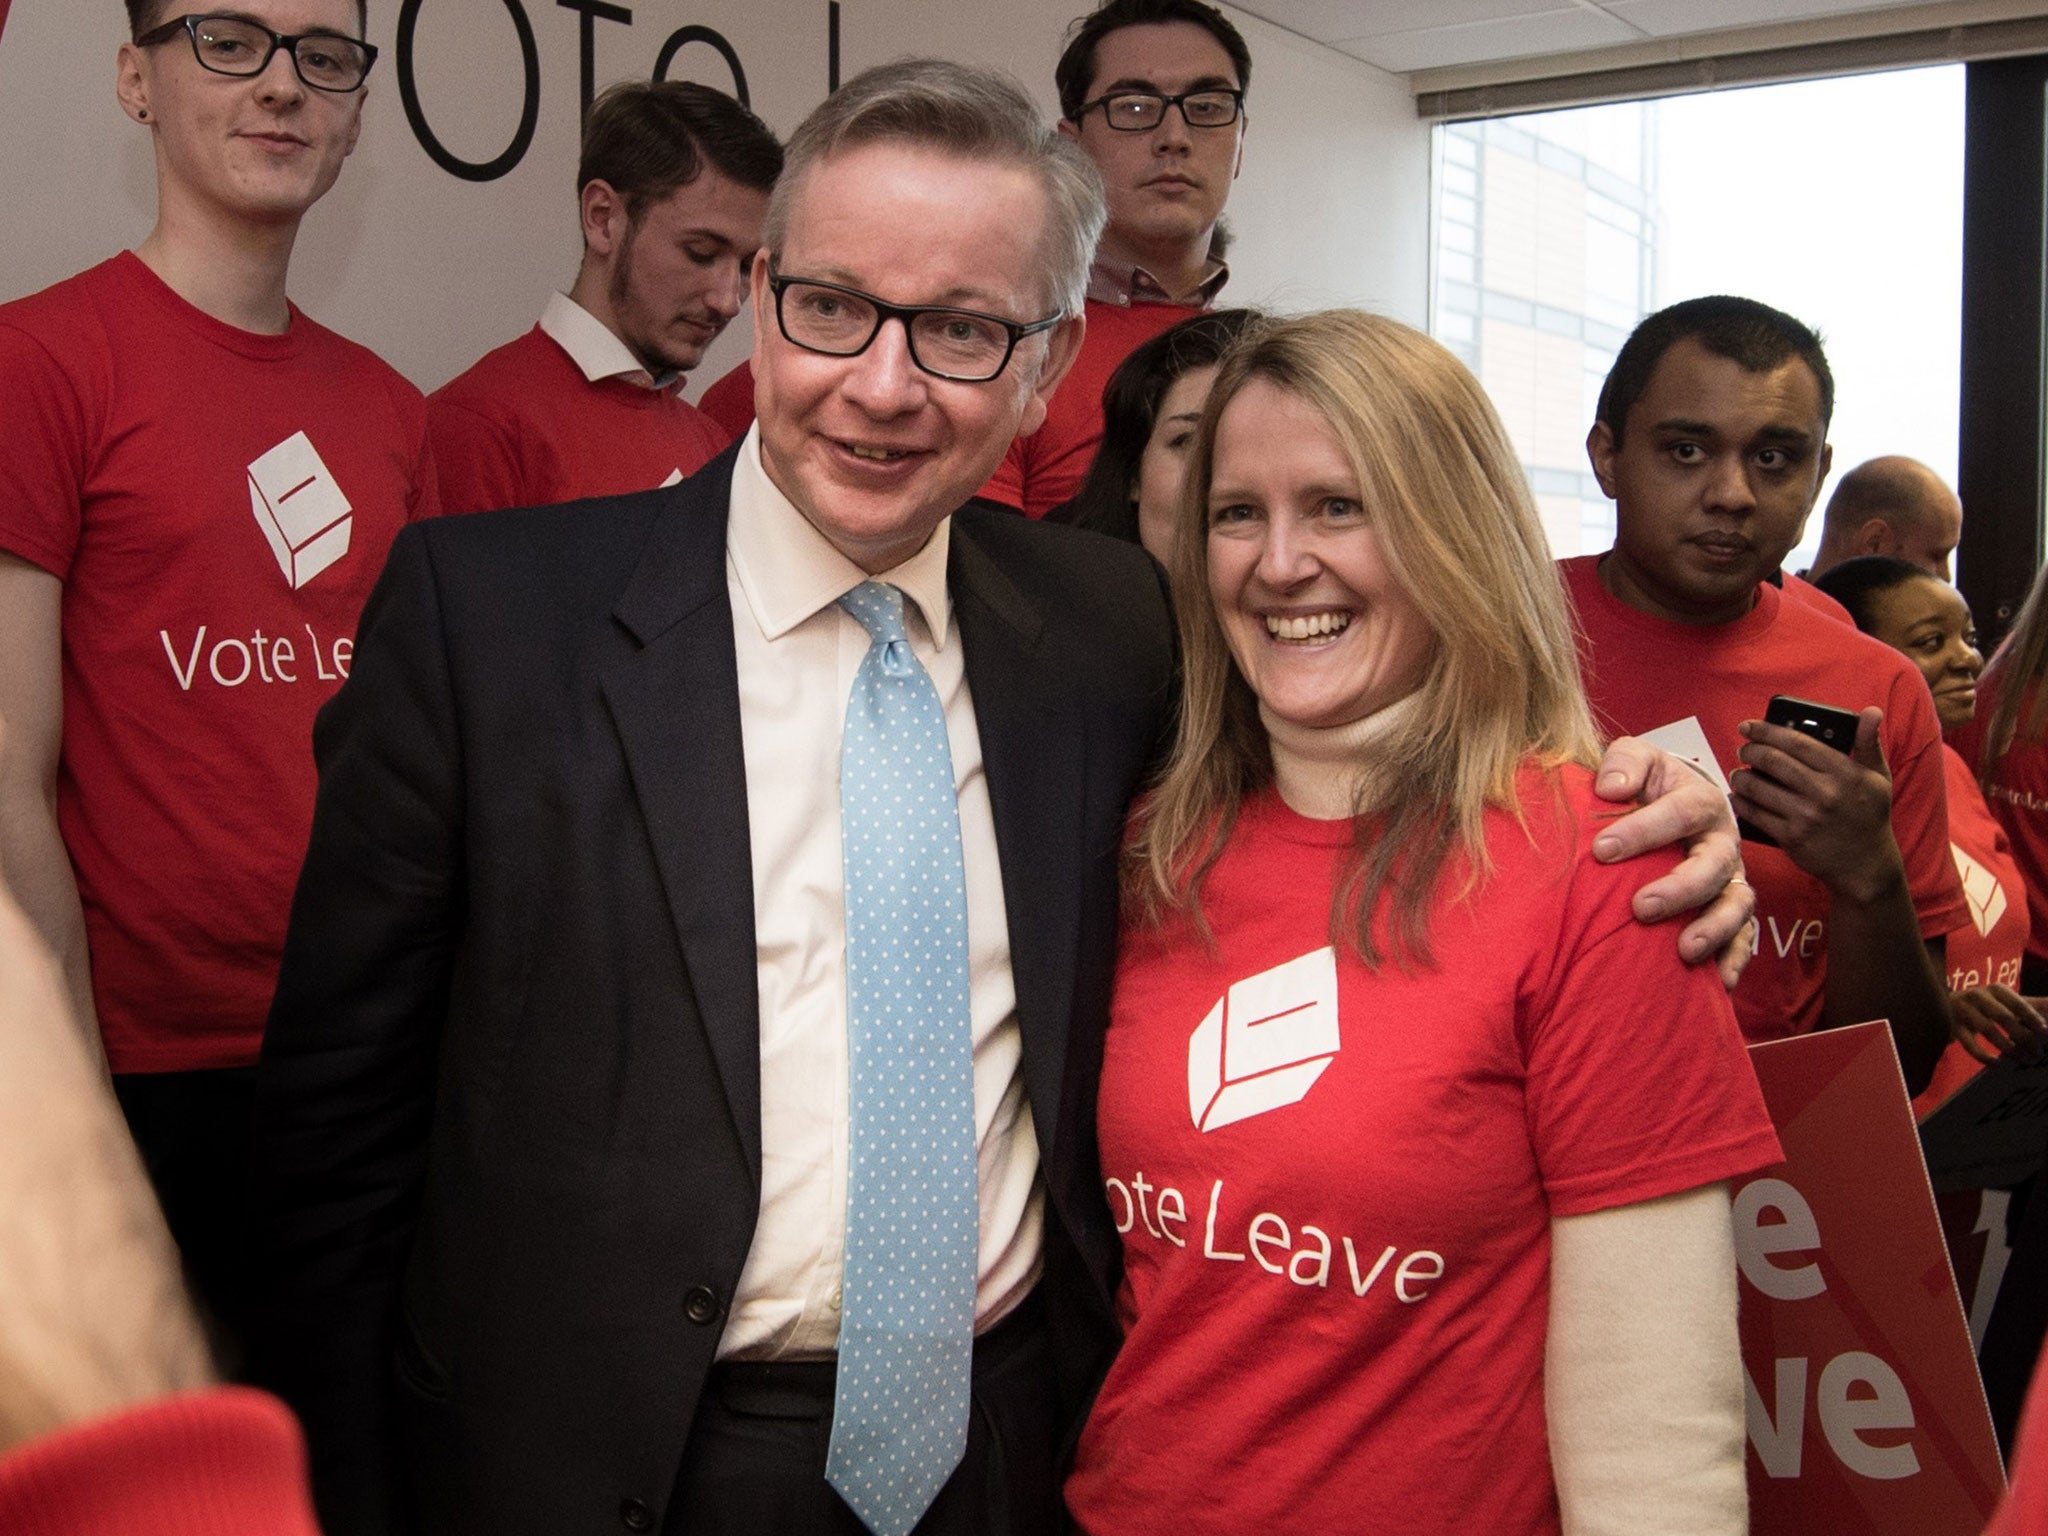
(835,1298)
(700,1305)
(635,1516)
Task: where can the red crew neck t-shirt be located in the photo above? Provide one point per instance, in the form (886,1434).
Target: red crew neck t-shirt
(523,427)
(217,504)
(1643,672)
(1335,1185)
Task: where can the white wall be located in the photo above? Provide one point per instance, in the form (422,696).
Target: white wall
(431,270)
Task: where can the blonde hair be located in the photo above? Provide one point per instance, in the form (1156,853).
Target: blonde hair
(1456,524)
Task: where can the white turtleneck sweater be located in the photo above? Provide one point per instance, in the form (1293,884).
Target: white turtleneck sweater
(1642,1363)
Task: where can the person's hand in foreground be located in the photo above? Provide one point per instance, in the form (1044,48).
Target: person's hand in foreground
(93,1312)
(1676,804)
(1994,1020)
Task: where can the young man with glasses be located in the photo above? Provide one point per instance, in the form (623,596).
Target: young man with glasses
(1153,92)
(197,489)
(673,186)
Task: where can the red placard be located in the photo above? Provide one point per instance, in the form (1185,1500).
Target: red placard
(1866,1413)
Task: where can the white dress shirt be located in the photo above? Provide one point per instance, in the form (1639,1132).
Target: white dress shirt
(798,652)
(593,348)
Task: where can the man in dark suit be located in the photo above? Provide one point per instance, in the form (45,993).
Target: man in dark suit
(584,1203)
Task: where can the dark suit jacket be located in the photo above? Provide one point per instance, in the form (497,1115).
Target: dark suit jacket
(509,1103)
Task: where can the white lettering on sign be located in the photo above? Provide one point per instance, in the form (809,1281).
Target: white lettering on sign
(1857,1392)
(1845,1414)
(1795,1231)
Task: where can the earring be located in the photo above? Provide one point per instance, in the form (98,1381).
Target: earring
(142,114)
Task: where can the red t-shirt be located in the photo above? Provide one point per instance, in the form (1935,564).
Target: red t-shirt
(1807,593)
(1335,1186)
(2024,1511)
(223,1462)
(217,504)
(523,427)
(1988,947)
(1643,672)
(2017,793)
(1045,469)
(730,402)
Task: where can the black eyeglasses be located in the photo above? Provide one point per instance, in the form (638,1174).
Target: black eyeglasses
(1142,111)
(234,45)
(963,345)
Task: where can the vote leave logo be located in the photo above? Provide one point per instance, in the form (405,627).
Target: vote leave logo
(300,509)
(1986,896)
(1265,1043)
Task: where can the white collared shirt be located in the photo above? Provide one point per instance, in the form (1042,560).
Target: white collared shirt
(593,348)
(798,652)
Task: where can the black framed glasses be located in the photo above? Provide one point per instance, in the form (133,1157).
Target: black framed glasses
(963,345)
(1142,111)
(235,45)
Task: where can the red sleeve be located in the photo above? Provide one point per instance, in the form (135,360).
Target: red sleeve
(44,453)
(1638,1084)
(1006,485)
(1912,750)
(227,1462)
(474,460)
(2025,1510)
(730,402)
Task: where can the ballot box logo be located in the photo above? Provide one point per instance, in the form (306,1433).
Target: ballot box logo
(1985,895)
(1265,1043)
(302,512)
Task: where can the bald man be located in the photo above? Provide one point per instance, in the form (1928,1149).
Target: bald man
(1891,506)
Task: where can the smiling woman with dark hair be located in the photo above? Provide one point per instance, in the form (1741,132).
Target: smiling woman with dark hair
(1928,622)
(1417,1217)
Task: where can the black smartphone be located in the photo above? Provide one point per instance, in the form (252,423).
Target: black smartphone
(1822,722)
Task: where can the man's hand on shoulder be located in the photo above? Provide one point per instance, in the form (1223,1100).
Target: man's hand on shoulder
(1677,806)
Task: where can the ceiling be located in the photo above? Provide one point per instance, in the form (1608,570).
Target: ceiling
(1404,36)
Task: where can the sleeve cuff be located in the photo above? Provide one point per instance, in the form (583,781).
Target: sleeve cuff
(222,1462)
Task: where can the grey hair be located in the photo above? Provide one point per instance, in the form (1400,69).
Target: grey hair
(970,113)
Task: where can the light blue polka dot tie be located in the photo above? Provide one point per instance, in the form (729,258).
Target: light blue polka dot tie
(906,1331)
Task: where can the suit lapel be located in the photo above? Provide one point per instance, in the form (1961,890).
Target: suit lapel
(675,704)
(1035,759)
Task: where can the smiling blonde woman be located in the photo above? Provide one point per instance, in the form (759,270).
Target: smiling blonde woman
(1423,1219)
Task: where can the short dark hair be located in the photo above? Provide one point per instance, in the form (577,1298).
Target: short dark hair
(145,14)
(1755,337)
(1857,584)
(1130,409)
(1075,71)
(645,138)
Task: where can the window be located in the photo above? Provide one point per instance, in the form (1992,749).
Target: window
(1839,201)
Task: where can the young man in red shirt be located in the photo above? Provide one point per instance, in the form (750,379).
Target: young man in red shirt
(197,490)
(1153,91)
(1712,440)
(674,184)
